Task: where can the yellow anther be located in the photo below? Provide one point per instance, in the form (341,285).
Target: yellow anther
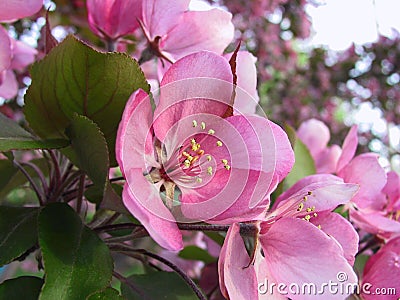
(209,158)
(307,217)
(309,193)
(315,215)
(194,123)
(319,226)
(203,125)
(305,198)
(300,207)
(190,158)
(224,161)
(209,170)
(194,159)
(211,131)
(185,154)
(186,163)
(195,147)
(200,152)
(193,141)
(219,144)
(199,179)
(309,209)
(228,167)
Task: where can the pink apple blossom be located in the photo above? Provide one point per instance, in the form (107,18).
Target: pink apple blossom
(112,19)
(382,221)
(382,272)
(14,55)
(302,242)
(189,160)
(173,31)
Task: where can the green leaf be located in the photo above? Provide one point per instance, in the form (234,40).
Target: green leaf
(7,171)
(157,285)
(75,78)
(304,164)
(90,154)
(76,261)
(24,287)
(14,137)
(18,231)
(107,294)
(196,253)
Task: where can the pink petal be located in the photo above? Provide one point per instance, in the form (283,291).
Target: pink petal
(160,16)
(246,99)
(315,135)
(11,10)
(349,148)
(248,145)
(199,83)
(235,280)
(134,147)
(283,153)
(9,85)
(142,199)
(23,55)
(5,50)
(320,192)
(113,18)
(326,160)
(375,222)
(341,230)
(392,190)
(297,252)
(383,271)
(199,30)
(366,171)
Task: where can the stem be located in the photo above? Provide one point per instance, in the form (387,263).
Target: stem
(81,190)
(110,44)
(117,179)
(39,194)
(39,173)
(128,283)
(65,184)
(125,248)
(57,173)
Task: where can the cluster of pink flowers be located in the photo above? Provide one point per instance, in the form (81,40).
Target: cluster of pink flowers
(14,55)
(202,154)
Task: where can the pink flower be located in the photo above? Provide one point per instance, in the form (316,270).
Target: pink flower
(382,221)
(11,10)
(173,31)
(382,272)
(294,250)
(190,160)
(113,19)
(14,55)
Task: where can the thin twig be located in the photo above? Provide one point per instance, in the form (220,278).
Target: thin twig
(128,283)
(122,248)
(81,190)
(39,194)
(57,173)
(39,173)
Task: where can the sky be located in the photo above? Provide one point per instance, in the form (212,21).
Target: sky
(338,23)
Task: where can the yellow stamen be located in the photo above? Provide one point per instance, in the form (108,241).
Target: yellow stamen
(315,215)
(228,167)
(224,161)
(319,226)
(209,157)
(195,147)
(307,217)
(300,207)
(219,144)
(203,125)
(199,180)
(209,170)
(200,152)
(211,131)
(194,123)
(186,163)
